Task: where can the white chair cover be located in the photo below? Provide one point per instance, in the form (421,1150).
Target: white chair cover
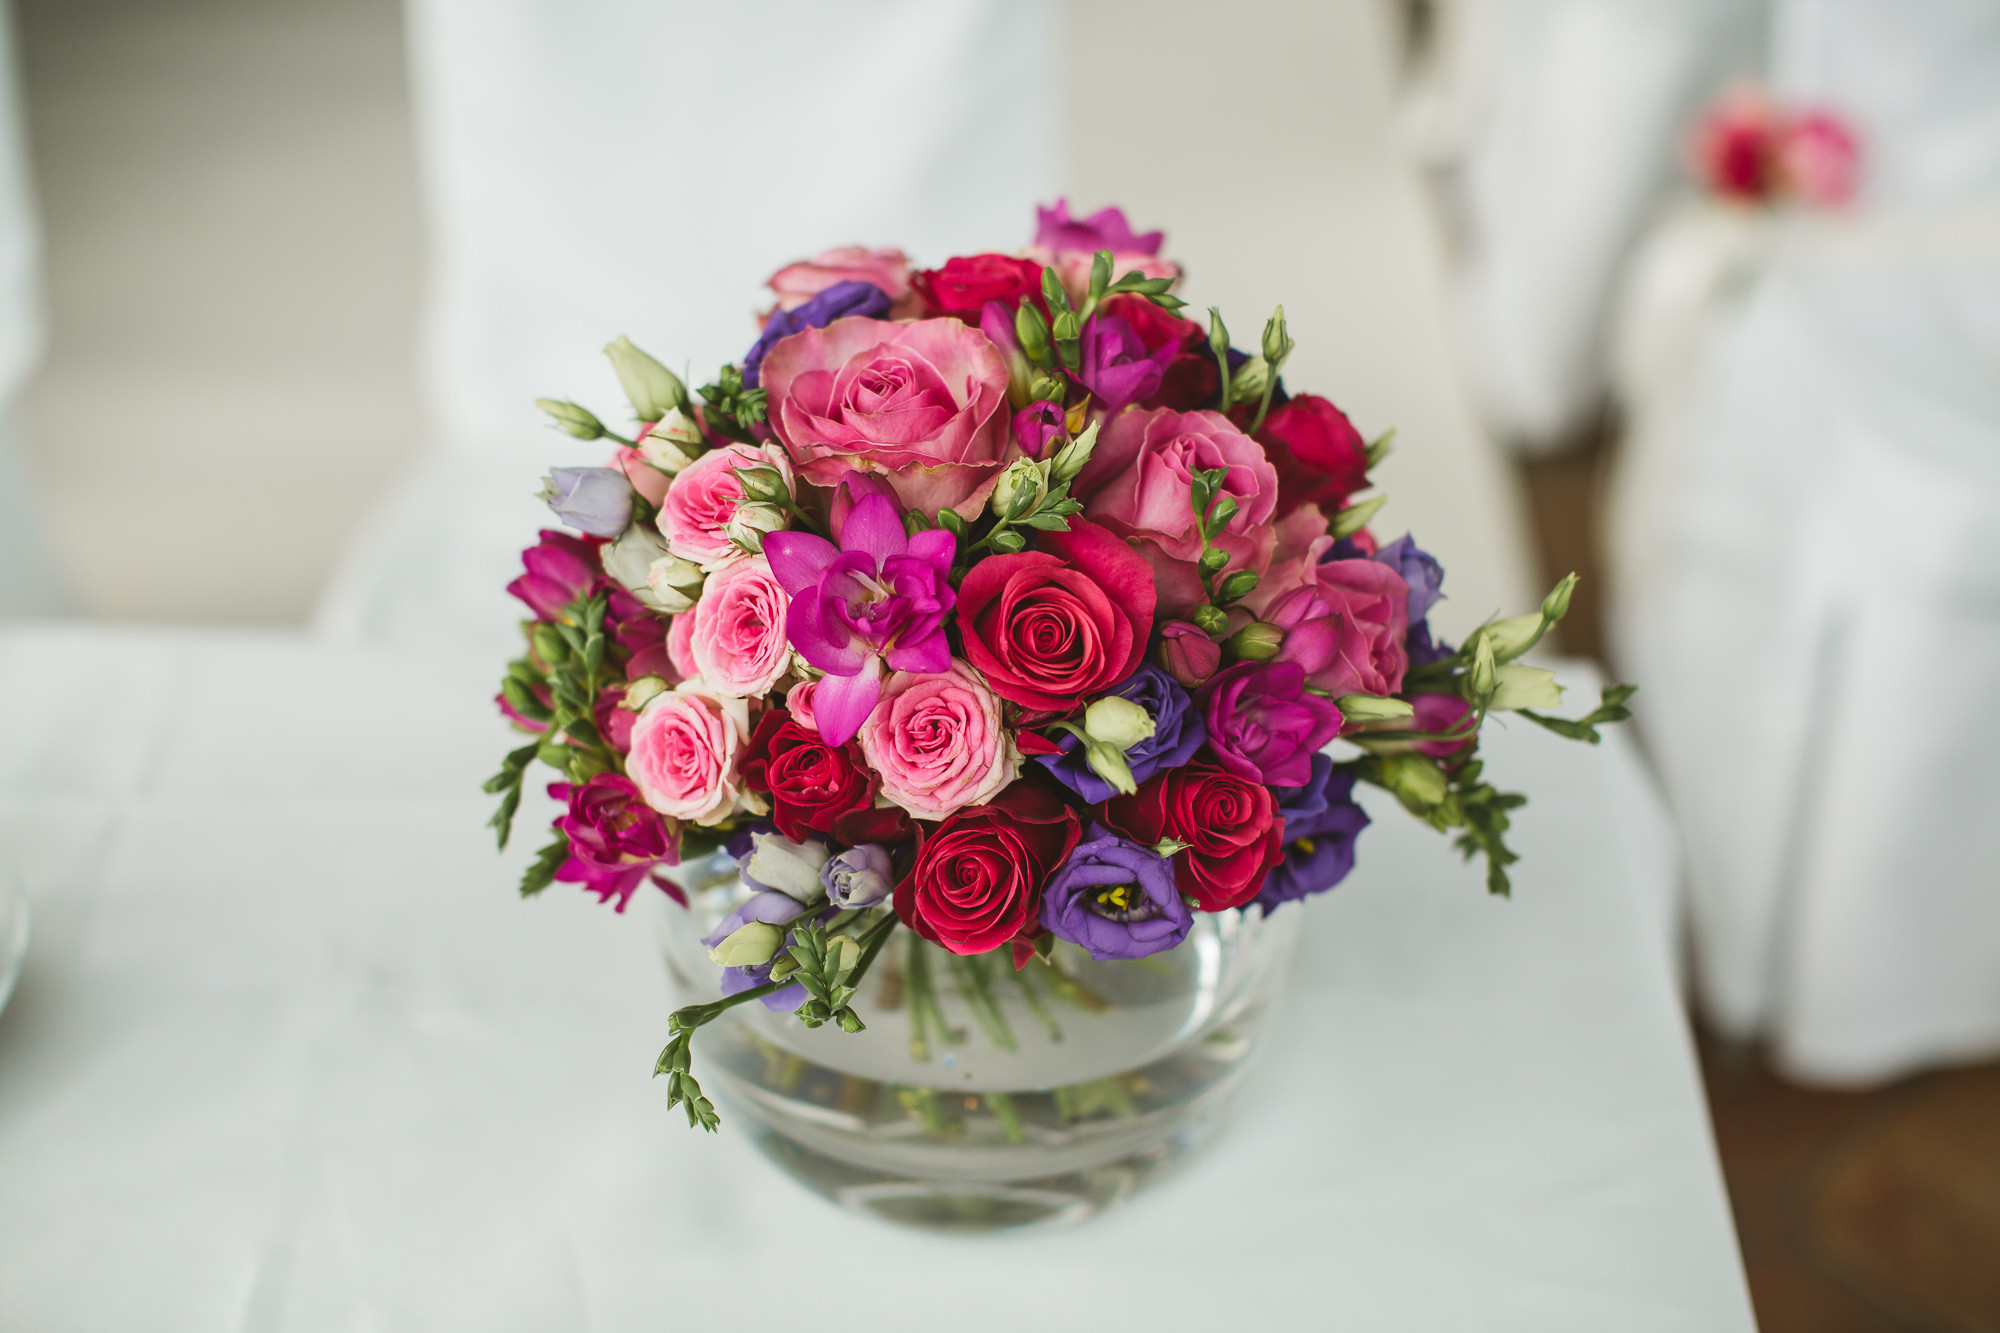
(1807,558)
(27,585)
(607,166)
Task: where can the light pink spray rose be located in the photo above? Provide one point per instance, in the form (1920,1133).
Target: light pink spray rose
(698,506)
(646,479)
(1347,627)
(799,703)
(687,749)
(680,645)
(923,403)
(738,639)
(937,741)
(798,283)
(1137,484)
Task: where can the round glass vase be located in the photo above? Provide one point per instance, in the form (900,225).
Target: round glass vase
(980,1097)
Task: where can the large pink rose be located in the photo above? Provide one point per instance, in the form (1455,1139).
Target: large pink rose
(695,514)
(923,403)
(937,742)
(1346,627)
(687,753)
(798,283)
(1137,484)
(738,640)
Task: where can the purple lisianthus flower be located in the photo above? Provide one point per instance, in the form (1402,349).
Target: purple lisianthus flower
(615,838)
(596,500)
(1106,229)
(880,595)
(1177,733)
(774,907)
(1422,648)
(1115,365)
(858,877)
(1321,825)
(1265,726)
(841,299)
(1116,899)
(1419,569)
(556,571)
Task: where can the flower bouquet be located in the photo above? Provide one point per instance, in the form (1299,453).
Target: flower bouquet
(1000,603)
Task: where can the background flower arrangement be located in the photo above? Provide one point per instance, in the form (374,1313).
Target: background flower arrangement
(998,601)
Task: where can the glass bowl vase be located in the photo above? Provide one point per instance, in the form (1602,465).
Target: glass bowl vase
(982,1097)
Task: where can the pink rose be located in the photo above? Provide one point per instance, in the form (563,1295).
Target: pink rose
(680,646)
(738,639)
(798,283)
(1137,484)
(799,703)
(687,748)
(1299,539)
(937,741)
(922,403)
(703,498)
(1347,627)
(646,479)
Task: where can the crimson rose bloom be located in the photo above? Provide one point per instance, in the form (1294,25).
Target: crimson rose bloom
(1050,626)
(812,785)
(977,880)
(1230,825)
(1321,459)
(964,285)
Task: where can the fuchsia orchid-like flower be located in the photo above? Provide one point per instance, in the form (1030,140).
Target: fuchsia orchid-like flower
(879,596)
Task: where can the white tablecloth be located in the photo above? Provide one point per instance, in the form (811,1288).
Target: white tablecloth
(287,1054)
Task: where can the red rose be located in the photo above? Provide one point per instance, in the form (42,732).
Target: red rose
(1191,380)
(977,879)
(1049,626)
(1321,459)
(812,785)
(1230,825)
(963,286)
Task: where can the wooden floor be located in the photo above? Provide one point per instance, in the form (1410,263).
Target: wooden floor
(1858,1212)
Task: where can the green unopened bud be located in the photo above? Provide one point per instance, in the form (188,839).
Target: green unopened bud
(1483,677)
(675,584)
(850,1022)
(549,645)
(1070,459)
(1378,448)
(1556,605)
(1032,331)
(1118,721)
(1020,488)
(1009,541)
(578,421)
(1255,642)
(1415,780)
(1108,762)
(1247,384)
(1048,389)
(1513,636)
(1372,707)
(1212,560)
(750,945)
(949,520)
(1100,274)
(1277,339)
(1168,847)
(643,691)
(763,484)
(1211,620)
(783,966)
(1067,328)
(1355,517)
(1053,291)
(747,526)
(1218,334)
(1525,687)
(843,953)
(652,389)
(1237,586)
(813,1013)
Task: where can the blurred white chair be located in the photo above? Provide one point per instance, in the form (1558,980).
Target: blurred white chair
(1550,129)
(1806,550)
(599,167)
(27,584)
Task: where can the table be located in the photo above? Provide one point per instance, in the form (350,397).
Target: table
(288,1054)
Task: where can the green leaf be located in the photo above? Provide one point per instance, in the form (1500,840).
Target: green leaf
(1047,522)
(1378,448)
(1355,517)
(542,871)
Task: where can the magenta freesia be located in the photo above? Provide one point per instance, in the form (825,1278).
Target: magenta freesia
(880,596)
(556,570)
(1265,726)
(615,838)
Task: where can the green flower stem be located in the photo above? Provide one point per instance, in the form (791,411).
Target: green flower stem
(1035,1005)
(977,992)
(1009,1118)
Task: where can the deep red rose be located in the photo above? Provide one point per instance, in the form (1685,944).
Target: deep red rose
(1191,380)
(1050,626)
(963,286)
(812,785)
(1321,459)
(977,879)
(1230,825)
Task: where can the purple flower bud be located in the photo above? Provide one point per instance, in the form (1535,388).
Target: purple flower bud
(858,877)
(1188,654)
(1036,424)
(841,299)
(596,500)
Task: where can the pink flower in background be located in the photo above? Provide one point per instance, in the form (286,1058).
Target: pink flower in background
(1734,146)
(888,269)
(704,497)
(922,404)
(687,748)
(937,741)
(738,639)
(1439,713)
(1138,481)
(1819,158)
(880,594)
(1068,245)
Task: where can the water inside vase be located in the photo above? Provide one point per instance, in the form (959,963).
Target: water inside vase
(980,1096)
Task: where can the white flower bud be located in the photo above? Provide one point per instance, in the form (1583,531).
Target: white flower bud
(749,945)
(1071,457)
(1526,687)
(672,443)
(747,526)
(1022,482)
(1118,722)
(630,559)
(792,868)
(1372,708)
(674,584)
(1513,636)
